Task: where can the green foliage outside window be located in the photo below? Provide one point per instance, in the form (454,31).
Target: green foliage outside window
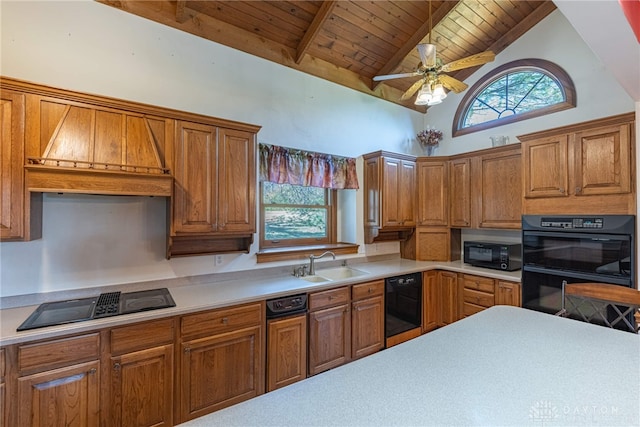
(294,212)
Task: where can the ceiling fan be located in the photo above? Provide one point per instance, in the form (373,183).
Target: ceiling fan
(430,67)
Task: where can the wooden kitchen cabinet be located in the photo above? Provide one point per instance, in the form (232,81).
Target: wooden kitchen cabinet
(432,239)
(367,319)
(329,329)
(586,168)
(430,301)
(477,294)
(508,293)
(460,192)
(15,221)
(497,188)
(221,359)
(140,375)
(195,207)
(214,208)
(433,192)
(432,244)
(389,196)
(287,351)
(59,382)
(447,297)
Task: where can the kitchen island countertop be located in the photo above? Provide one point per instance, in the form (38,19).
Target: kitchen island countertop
(249,286)
(505,366)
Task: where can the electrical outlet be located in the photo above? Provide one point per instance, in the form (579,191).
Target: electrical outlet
(218,259)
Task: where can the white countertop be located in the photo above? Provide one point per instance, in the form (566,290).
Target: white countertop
(504,366)
(249,286)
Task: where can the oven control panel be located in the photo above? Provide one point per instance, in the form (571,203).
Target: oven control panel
(580,223)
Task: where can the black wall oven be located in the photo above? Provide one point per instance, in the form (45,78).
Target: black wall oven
(599,248)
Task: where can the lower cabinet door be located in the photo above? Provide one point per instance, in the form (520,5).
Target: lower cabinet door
(220,371)
(286,351)
(367,327)
(142,388)
(329,338)
(62,397)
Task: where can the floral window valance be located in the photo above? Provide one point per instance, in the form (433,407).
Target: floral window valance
(283,165)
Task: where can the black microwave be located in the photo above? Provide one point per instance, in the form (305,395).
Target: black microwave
(499,256)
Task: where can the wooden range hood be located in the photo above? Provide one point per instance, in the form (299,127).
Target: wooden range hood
(80,143)
(94,151)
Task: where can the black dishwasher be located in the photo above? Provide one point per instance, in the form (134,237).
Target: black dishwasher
(403,303)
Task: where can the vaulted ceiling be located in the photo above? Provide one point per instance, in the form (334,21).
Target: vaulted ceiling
(350,42)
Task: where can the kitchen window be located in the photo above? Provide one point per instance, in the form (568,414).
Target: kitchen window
(296,215)
(298,201)
(515,91)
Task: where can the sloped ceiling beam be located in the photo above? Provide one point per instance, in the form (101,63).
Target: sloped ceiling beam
(318,21)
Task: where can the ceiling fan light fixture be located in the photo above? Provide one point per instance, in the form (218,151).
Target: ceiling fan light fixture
(425,95)
(438,94)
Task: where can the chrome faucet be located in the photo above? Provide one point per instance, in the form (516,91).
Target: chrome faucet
(312,258)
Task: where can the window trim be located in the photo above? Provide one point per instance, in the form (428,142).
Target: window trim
(332,210)
(548,68)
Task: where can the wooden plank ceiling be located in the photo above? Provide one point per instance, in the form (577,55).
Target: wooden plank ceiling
(350,42)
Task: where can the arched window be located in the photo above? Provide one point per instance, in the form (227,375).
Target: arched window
(518,90)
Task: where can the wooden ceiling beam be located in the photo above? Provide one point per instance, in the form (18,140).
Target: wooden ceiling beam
(420,34)
(181,14)
(314,28)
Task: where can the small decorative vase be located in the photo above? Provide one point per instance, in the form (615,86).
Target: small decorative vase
(430,149)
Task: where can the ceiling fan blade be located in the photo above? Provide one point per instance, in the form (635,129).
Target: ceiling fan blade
(413,89)
(452,84)
(395,76)
(469,61)
(427,54)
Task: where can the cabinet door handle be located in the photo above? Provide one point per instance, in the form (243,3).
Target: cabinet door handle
(225,320)
(187,349)
(370,290)
(561,190)
(578,190)
(92,371)
(116,366)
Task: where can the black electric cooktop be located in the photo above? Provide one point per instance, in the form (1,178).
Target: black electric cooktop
(105,305)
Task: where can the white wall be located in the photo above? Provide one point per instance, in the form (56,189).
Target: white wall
(86,46)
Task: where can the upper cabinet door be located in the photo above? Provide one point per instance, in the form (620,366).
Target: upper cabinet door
(603,163)
(433,193)
(391,179)
(498,189)
(460,193)
(237,181)
(407,194)
(196,178)
(545,168)
(12,118)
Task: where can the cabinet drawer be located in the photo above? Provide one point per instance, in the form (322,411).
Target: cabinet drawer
(366,290)
(57,353)
(478,283)
(328,298)
(470,309)
(478,298)
(141,336)
(223,320)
